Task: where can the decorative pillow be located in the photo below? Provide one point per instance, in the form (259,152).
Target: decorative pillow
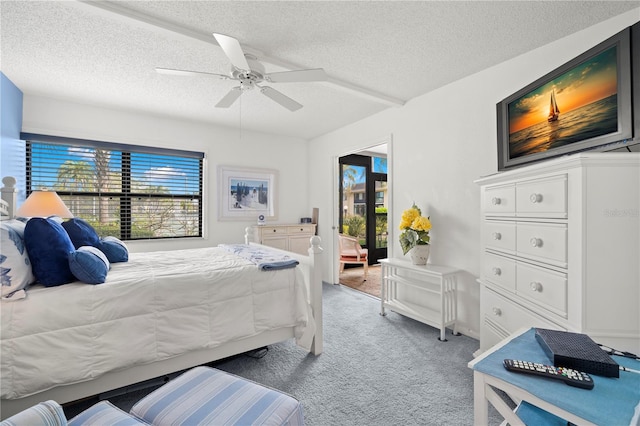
(15,224)
(105,413)
(115,249)
(47,413)
(15,267)
(81,233)
(49,245)
(89,265)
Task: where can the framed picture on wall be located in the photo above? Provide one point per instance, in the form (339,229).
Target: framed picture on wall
(246,193)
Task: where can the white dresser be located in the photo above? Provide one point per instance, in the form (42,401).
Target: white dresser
(290,237)
(560,249)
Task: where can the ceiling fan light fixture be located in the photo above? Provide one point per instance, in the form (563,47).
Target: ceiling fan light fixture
(249,72)
(247,84)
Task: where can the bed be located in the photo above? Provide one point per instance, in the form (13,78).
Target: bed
(156,314)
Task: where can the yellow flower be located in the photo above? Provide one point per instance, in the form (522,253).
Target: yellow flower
(408,216)
(415,229)
(421,223)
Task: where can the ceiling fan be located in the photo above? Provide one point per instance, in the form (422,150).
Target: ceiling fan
(246,69)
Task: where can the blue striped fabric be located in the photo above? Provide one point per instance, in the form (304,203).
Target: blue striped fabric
(206,396)
(48,413)
(104,413)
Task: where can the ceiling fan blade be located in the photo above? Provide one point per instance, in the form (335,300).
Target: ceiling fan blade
(229,98)
(170,71)
(316,74)
(233,50)
(283,100)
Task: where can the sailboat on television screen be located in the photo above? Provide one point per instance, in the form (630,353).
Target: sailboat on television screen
(554,111)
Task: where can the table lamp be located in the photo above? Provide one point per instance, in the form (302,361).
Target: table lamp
(43,203)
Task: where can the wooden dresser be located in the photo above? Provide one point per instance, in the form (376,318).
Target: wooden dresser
(560,249)
(290,237)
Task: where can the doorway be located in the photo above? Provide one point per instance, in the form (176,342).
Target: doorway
(364,201)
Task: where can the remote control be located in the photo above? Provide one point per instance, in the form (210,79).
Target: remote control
(571,377)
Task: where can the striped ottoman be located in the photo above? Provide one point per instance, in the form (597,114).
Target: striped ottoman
(206,396)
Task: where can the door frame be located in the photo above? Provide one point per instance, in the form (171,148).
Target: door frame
(335,214)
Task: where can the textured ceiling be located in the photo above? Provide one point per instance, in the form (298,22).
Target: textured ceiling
(377,54)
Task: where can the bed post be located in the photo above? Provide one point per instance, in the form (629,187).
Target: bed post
(315,289)
(10,193)
(314,264)
(248,235)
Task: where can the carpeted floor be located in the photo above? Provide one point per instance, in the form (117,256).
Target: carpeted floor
(374,370)
(354,278)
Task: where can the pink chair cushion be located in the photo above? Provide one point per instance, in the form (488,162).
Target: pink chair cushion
(353,255)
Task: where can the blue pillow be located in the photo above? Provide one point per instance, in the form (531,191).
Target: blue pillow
(15,267)
(89,265)
(115,249)
(48,245)
(81,233)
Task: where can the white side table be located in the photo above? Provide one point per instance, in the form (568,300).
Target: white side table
(424,293)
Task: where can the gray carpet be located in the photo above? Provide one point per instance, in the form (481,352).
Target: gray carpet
(374,370)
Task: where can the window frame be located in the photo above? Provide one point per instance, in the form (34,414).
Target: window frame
(125,195)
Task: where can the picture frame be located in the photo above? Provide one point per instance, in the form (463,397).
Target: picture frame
(246,193)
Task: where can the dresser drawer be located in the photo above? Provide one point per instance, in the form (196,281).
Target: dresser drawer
(543,287)
(500,271)
(300,229)
(545,242)
(542,197)
(508,315)
(275,230)
(499,200)
(500,236)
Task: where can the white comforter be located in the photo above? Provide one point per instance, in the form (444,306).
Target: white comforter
(156,306)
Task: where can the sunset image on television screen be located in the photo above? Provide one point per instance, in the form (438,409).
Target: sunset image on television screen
(578,105)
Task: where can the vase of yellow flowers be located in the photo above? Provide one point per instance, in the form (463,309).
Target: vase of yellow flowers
(415,235)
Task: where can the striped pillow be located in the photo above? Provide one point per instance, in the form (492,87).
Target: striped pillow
(206,396)
(48,413)
(104,413)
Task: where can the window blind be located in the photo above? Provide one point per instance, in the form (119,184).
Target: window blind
(131,192)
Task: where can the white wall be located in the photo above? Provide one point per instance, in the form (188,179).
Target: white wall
(442,141)
(221,146)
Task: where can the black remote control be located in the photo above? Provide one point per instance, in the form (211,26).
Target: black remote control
(571,377)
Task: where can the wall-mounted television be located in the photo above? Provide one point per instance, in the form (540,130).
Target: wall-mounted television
(585,104)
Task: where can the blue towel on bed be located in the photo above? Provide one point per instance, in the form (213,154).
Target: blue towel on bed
(266,260)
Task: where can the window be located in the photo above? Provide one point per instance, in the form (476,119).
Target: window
(379,165)
(131,192)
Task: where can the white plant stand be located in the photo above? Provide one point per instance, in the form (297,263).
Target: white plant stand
(425,293)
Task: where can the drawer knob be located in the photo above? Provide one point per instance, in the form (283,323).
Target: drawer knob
(497,236)
(274,230)
(535,286)
(495,201)
(535,198)
(496,271)
(536,242)
(497,311)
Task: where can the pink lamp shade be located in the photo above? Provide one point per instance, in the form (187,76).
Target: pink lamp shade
(43,204)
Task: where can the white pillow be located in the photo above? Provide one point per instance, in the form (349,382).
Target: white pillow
(15,266)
